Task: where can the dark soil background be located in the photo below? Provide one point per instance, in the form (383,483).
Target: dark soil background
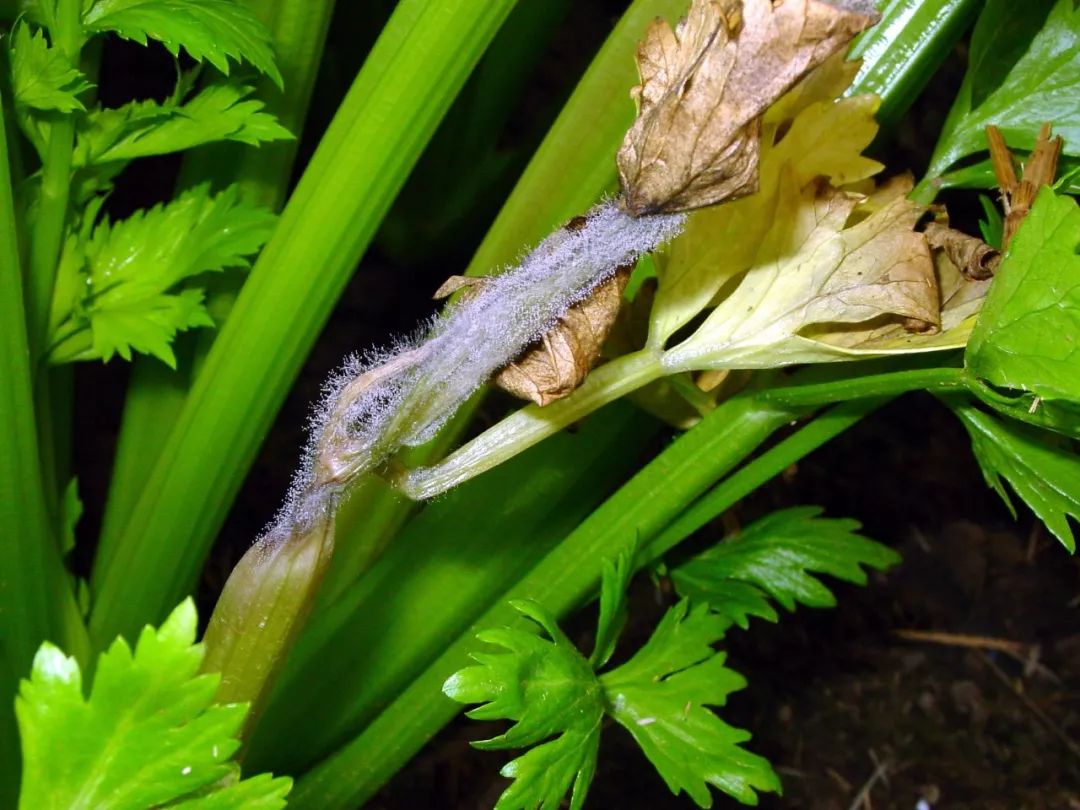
(852,714)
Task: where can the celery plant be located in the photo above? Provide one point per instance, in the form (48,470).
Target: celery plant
(344,683)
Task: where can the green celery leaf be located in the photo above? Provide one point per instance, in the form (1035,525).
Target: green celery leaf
(614,579)
(777,555)
(260,792)
(1028,335)
(1041,468)
(220,112)
(41,76)
(147,325)
(661,697)
(1041,86)
(130,266)
(992,228)
(731,598)
(211,30)
(549,689)
(148,735)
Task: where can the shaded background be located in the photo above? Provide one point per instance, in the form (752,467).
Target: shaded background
(836,700)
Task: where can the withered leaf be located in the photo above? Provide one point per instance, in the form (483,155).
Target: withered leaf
(559,363)
(704,87)
(823,273)
(974,258)
(809,132)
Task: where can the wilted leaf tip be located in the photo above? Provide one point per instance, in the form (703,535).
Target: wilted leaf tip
(704,86)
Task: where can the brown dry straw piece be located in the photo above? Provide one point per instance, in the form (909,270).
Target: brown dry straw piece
(704,87)
(1017,196)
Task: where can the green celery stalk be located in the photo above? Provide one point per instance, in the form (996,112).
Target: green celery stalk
(418,64)
(903,51)
(50,219)
(36,601)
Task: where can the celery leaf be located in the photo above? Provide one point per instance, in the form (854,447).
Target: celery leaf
(220,112)
(129,267)
(550,690)
(41,76)
(149,733)
(778,555)
(661,696)
(1040,467)
(1040,86)
(211,30)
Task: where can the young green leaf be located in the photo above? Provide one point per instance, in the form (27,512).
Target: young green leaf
(661,696)
(128,268)
(211,30)
(41,76)
(549,689)
(1039,87)
(220,112)
(778,555)
(1042,469)
(992,228)
(614,579)
(1027,336)
(148,734)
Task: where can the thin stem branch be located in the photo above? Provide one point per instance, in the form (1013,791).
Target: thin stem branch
(939,380)
(822,429)
(47,234)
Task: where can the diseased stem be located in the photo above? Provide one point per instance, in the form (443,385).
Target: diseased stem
(421,59)
(530,425)
(262,608)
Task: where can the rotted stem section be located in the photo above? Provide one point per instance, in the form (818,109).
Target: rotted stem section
(375,407)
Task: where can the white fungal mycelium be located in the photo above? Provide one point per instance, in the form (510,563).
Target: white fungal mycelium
(376,404)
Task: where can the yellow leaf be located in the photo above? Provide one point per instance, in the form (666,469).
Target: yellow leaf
(816,272)
(961,300)
(809,132)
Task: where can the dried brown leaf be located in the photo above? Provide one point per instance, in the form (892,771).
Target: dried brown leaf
(559,363)
(704,87)
(975,258)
